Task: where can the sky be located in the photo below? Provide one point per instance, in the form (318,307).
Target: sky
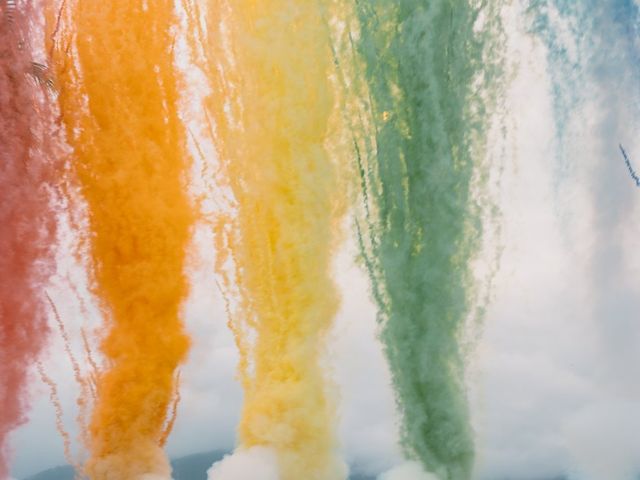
(553,377)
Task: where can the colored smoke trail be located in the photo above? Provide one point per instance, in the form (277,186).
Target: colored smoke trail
(269,62)
(119,98)
(173,416)
(606,42)
(574,34)
(29,161)
(54,398)
(557,24)
(432,78)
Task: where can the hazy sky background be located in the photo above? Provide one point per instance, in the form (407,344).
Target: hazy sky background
(555,379)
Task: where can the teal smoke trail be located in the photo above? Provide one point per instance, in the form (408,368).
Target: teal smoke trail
(562,26)
(590,44)
(429,75)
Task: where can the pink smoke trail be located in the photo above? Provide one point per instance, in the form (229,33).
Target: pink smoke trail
(29,156)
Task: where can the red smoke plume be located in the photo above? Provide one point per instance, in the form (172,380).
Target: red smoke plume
(29,156)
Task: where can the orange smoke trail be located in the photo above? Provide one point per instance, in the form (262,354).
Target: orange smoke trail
(119,98)
(67,344)
(174,413)
(57,405)
(86,384)
(86,345)
(95,371)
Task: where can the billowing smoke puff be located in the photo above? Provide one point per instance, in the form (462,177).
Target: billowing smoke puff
(407,471)
(257,463)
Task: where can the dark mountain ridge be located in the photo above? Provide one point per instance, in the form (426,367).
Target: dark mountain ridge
(190,467)
(193,467)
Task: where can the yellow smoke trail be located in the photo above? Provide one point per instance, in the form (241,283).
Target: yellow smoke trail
(119,94)
(268,62)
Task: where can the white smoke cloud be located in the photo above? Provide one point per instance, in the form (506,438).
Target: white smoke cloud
(407,471)
(257,463)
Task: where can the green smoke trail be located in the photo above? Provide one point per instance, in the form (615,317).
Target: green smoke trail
(431,73)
